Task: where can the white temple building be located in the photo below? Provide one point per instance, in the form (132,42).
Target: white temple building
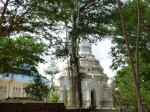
(95,87)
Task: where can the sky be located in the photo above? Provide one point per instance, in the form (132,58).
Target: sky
(100,51)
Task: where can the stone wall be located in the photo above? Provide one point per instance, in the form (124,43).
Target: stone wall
(88,110)
(42,107)
(32,107)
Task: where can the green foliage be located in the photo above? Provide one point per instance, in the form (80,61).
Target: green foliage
(92,20)
(54,97)
(88,20)
(126,88)
(30,17)
(126,96)
(52,70)
(49,18)
(20,55)
(38,88)
(93,106)
(118,51)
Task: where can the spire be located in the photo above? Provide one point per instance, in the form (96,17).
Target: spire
(85,48)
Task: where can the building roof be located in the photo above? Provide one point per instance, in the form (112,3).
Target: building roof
(21,78)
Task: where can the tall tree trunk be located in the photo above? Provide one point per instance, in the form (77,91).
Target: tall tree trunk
(75,58)
(72,78)
(134,72)
(79,91)
(140,108)
(78,80)
(79,87)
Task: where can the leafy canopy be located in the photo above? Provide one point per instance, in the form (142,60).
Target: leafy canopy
(126,94)
(30,17)
(20,55)
(86,20)
(118,51)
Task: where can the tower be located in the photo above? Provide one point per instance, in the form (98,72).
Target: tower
(95,89)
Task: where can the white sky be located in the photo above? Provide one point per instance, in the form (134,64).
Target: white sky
(100,51)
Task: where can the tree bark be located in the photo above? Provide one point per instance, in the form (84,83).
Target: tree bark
(134,72)
(140,108)
(72,79)
(74,54)
(75,65)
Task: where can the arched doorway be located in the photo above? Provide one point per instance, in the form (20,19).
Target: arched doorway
(93,97)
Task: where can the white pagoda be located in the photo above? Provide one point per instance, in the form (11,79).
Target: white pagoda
(95,87)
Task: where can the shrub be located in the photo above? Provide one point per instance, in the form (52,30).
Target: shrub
(54,97)
(93,106)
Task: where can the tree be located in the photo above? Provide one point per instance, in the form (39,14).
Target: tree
(29,17)
(135,69)
(87,24)
(125,97)
(20,55)
(38,87)
(52,70)
(82,20)
(118,51)
(87,20)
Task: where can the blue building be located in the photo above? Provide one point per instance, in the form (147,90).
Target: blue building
(13,84)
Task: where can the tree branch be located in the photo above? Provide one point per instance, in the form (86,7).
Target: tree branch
(137,41)
(140,108)
(87,4)
(2,15)
(2,1)
(17,19)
